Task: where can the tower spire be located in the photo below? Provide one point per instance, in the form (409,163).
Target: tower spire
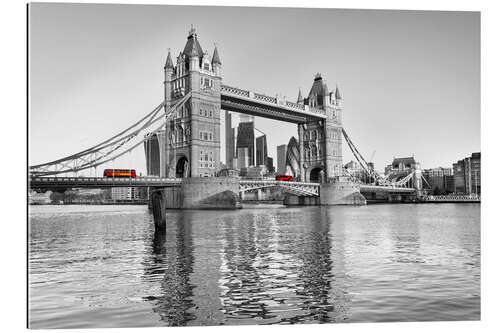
(300,99)
(337,93)
(169,64)
(215,57)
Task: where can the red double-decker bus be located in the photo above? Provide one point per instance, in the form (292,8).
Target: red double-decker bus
(285,178)
(119,173)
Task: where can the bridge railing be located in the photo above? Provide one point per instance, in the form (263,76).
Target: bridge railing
(452,197)
(235,91)
(265,98)
(295,105)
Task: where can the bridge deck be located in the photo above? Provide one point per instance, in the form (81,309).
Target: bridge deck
(248,102)
(390,189)
(99,182)
(245,184)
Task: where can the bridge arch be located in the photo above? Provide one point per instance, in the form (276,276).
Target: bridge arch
(316,174)
(182,169)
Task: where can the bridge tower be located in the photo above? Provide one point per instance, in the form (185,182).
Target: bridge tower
(320,142)
(192,145)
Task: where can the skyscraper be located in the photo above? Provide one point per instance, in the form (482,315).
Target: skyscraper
(231,139)
(269,164)
(261,150)
(246,139)
(243,157)
(230,148)
(281,156)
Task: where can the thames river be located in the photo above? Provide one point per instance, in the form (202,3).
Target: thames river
(104,266)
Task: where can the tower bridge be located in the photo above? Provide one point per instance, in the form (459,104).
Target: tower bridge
(182,146)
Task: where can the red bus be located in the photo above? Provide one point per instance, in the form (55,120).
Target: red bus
(119,173)
(285,178)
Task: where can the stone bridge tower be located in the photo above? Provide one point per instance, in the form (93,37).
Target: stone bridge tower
(321,141)
(192,145)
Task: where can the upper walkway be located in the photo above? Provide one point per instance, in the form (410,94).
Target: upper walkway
(248,102)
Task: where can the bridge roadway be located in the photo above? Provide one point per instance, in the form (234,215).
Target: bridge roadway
(299,188)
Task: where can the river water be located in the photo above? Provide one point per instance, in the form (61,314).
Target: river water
(104,266)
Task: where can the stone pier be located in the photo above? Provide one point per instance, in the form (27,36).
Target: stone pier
(341,193)
(331,194)
(196,193)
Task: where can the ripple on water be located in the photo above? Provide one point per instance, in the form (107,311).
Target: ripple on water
(104,266)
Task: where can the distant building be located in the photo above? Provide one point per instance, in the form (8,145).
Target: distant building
(257,171)
(438,179)
(154,154)
(261,150)
(281,157)
(467,174)
(231,137)
(246,139)
(400,168)
(293,158)
(243,158)
(269,164)
(449,183)
(35,198)
(354,169)
(128,193)
(246,118)
(402,164)
(228,173)
(229,147)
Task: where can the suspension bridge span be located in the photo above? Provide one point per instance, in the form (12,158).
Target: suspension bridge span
(181,134)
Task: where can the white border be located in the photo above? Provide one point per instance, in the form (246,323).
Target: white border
(13,158)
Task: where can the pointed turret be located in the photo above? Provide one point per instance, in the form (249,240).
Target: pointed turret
(300,99)
(216,63)
(216,58)
(337,93)
(169,64)
(193,47)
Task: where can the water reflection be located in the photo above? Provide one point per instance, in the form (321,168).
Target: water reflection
(243,269)
(107,267)
(275,271)
(172,259)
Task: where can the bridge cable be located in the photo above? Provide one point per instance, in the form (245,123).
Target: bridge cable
(167,116)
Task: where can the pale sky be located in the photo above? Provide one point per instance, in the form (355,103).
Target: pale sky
(410,79)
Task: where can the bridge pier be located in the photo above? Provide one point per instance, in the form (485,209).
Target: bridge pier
(210,193)
(341,193)
(259,194)
(331,194)
(296,200)
(157,202)
(195,193)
